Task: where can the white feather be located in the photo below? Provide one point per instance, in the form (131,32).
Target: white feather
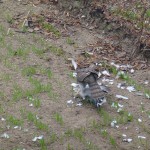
(73,63)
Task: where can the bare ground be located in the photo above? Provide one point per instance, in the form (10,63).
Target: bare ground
(62,126)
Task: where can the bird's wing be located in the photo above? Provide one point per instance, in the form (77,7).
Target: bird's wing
(85,72)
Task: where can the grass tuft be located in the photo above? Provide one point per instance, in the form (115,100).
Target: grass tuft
(35,101)
(50,28)
(42,144)
(31,117)
(106,118)
(58,118)
(70,41)
(17,93)
(14,121)
(39,87)
(28,71)
(56,50)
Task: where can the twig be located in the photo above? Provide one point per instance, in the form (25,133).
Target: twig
(8,31)
(25,19)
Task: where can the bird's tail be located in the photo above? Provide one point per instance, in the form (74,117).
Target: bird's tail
(97,95)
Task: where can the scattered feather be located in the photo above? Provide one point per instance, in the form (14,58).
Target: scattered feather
(127,140)
(131,89)
(121,106)
(111,82)
(70,102)
(121,97)
(99,64)
(74,74)
(147,95)
(113,123)
(119,74)
(99,74)
(37,117)
(5,135)
(31,105)
(79,104)
(119,110)
(105,72)
(113,64)
(3,119)
(124,135)
(74,84)
(146,82)
(121,86)
(37,138)
(126,66)
(132,70)
(114,105)
(141,137)
(107,80)
(16,127)
(73,63)
(89,53)
(139,120)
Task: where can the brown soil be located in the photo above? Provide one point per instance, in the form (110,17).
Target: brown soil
(87,120)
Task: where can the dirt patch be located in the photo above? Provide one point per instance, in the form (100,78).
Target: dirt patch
(35,83)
